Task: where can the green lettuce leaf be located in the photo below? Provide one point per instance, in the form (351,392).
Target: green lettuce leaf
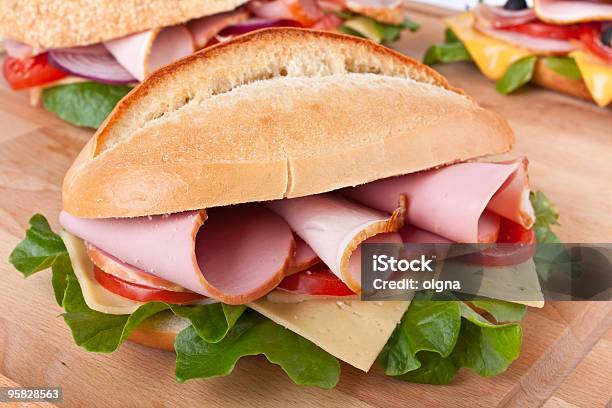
(253,334)
(546,216)
(565,66)
(500,310)
(436,338)
(85,103)
(517,75)
(40,248)
(451,51)
(427,326)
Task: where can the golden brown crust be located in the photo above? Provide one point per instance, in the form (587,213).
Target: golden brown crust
(45,24)
(547,78)
(153,339)
(159,331)
(279,113)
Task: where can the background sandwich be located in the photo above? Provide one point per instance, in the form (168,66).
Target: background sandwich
(214,209)
(558,44)
(78,59)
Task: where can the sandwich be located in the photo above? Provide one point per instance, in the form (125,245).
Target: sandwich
(221,208)
(79,59)
(558,44)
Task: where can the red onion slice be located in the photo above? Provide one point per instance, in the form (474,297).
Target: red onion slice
(256,24)
(92,62)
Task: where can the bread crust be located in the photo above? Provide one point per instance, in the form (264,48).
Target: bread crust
(159,331)
(43,24)
(547,78)
(278,113)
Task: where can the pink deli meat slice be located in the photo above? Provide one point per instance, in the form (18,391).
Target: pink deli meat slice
(451,201)
(335,227)
(238,255)
(142,53)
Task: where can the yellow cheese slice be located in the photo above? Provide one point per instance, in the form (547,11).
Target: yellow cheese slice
(353,331)
(96,297)
(596,74)
(493,57)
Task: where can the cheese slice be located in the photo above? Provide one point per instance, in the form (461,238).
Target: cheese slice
(512,283)
(281,296)
(492,56)
(353,331)
(596,74)
(96,297)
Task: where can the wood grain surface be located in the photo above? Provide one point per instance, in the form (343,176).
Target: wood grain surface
(567,347)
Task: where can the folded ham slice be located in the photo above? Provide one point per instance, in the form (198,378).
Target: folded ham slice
(498,17)
(545,46)
(306,12)
(568,11)
(206,28)
(451,201)
(303,258)
(335,227)
(237,256)
(142,53)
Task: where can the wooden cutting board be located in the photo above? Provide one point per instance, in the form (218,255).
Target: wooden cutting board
(567,347)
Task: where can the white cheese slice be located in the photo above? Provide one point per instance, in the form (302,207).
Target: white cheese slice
(353,331)
(513,283)
(96,297)
(281,296)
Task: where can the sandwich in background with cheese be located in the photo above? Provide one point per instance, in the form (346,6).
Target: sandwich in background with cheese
(214,213)
(558,44)
(79,59)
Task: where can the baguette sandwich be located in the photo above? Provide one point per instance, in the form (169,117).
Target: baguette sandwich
(558,44)
(220,209)
(79,58)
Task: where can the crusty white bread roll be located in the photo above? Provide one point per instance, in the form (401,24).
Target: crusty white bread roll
(547,78)
(277,113)
(59,23)
(159,331)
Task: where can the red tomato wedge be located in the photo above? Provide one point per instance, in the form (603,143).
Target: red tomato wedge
(590,36)
(318,280)
(142,293)
(516,245)
(542,30)
(30,72)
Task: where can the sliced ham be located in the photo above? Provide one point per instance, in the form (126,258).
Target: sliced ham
(451,201)
(335,227)
(127,272)
(498,17)
(303,258)
(142,53)
(238,255)
(16,49)
(567,11)
(206,28)
(306,12)
(538,45)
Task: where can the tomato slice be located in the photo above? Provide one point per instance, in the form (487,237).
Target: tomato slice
(318,280)
(543,30)
(514,246)
(30,72)
(142,293)
(590,36)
